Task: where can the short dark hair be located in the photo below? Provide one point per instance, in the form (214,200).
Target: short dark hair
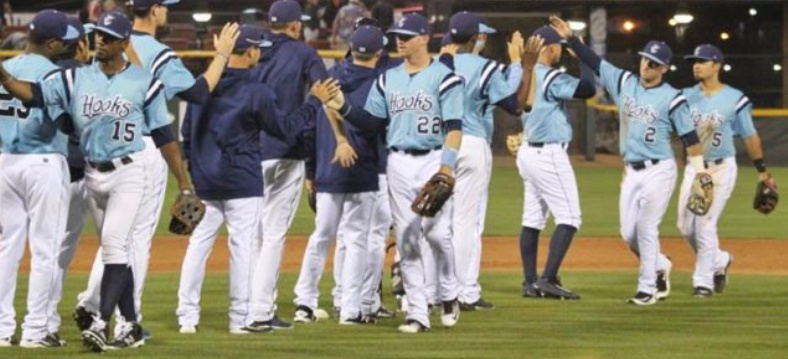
(280,26)
(70,50)
(37,39)
(362,57)
(141,12)
(461,39)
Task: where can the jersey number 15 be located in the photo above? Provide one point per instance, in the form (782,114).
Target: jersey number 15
(123,131)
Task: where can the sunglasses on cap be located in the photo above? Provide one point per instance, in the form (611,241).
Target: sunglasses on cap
(699,61)
(107,38)
(365,21)
(405,37)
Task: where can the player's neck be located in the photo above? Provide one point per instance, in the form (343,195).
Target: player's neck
(147,25)
(287,33)
(710,86)
(370,64)
(650,83)
(113,66)
(417,62)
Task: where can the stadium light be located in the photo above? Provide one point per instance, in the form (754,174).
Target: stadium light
(724,36)
(753,11)
(629,25)
(777,68)
(672,67)
(577,25)
(672,22)
(727,68)
(683,16)
(202,16)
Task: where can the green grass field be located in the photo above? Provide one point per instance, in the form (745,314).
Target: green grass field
(748,321)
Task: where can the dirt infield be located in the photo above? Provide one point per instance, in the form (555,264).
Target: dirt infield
(751,256)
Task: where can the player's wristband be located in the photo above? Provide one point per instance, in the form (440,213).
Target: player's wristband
(697,163)
(449,157)
(760,166)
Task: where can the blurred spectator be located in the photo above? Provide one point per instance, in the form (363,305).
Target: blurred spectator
(383,12)
(312,27)
(331,11)
(109,6)
(7,14)
(90,12)
(343,23)
(256,17)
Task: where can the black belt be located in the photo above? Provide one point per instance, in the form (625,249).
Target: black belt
(542,144)
(415,152)
(718,161)
(639,165)
(109,166)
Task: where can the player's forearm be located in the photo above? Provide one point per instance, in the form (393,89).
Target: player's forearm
(451,149)
(362,119)
(586,88)
(20,89)
(754,148)
(214,72)
(525,91)
(584,53)
(172,155)
(335,120)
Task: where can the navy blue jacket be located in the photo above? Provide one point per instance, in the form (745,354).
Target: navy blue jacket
(290,67)
(76,160)
(222,136)
(363,175)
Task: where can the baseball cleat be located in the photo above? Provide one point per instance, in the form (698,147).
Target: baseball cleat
(531,291)
(95,337)
(191,329)
(384,313)
(321,314)
(83,318)
(304,314)
(663,282)
(241,331)
(551,288)
(412,326)
(702,292)
(352,321)
(51,340)
(721,279)
(130,337)
(259,327)
(7,342)
(451,313)
(275,323)
(642,298)
(480,304)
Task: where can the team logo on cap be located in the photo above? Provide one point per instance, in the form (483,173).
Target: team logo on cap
(109,19)
(697,52)
(32,26)
(654,48)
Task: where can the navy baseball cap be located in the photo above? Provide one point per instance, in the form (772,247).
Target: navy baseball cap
(284,11)
(706,52)
(83,29)
(250,36)
(362,21)
(446,40)
(468,24)
(144,4)
(367,40)
(549,35)
(657,51)
(411,24)
(115,24)
(53,24)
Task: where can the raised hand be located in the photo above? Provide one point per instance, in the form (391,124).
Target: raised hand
(532,49)
(325,90)
(515,47)
(561,27)
(225,42)
(450,49)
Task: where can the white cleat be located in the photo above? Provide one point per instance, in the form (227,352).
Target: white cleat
(643,299)
(451,313)
(240,331)
(321,314)
(190,329)
(412,327)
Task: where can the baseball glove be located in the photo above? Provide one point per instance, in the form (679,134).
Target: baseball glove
(513,143)
(701,194)
(187,212)
(312,199)
(434,195)
(766,196)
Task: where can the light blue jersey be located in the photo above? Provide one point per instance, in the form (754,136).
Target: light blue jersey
(718,118)
(162,63)
(110,114)
(651,114)
(485,85)
(416,105)
(548,121)
(28,130)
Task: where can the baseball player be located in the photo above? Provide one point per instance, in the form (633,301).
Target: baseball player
(289,67)
(548,178)
(75,55)
(111,104)
(346,196)
(485,85)
(420,105)
(719,112)
(33,184)
(652,110)
(221,141)
(160,61)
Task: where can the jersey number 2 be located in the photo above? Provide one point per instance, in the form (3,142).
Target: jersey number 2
(427,126)
(18,112)
(127,129)
(650,133)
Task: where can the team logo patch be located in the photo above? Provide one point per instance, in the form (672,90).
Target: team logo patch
(109,19)
(116,106)
(643,113)
(418,102)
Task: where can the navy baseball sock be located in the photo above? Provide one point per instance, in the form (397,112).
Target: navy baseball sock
(126,303)
(113,285)
(559,245)
(529,244)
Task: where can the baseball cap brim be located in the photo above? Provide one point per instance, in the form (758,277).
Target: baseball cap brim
(71,34)
(170,2)
(109,32)
(89,28)
(695,57)
(403,32)
(651,57)
(305,17)
(484,29)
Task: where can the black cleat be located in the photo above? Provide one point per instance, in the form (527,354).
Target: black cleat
(551,288)
(131,336)
(531,291)
(83,318)
(721,279)
(480,304)
(702,292)
(643,299)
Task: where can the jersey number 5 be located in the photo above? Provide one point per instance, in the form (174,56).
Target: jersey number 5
(127,129)
(19,112)
(427,126)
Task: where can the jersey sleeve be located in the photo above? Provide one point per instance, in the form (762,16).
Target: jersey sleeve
(560,86)
(56,90)
(494,84)
(614,79)
(679,114)
(170,70)
(742,124)
(514,75)
(451,97)
(376,100)
(155,107)
(315,68)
